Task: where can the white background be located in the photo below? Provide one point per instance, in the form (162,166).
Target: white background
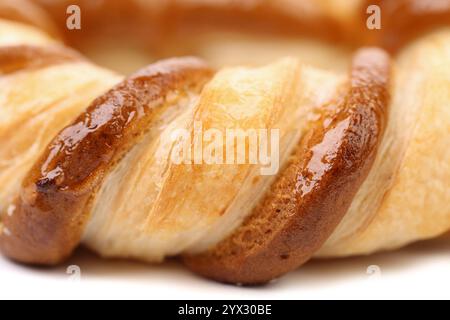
(418,271)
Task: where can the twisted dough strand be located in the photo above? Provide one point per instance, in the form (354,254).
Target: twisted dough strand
(330,182)
(57,193)
(310,197)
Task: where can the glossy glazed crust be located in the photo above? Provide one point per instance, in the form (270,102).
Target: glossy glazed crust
(54,203)
(405,197)
(26,57)
(313,193)
(270,243)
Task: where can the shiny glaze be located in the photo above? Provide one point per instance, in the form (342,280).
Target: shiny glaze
(313,193)
(54,203)
(343,141)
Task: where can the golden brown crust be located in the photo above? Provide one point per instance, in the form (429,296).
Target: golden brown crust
(25,57)
(313,193)
(53,206)
(303,207)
